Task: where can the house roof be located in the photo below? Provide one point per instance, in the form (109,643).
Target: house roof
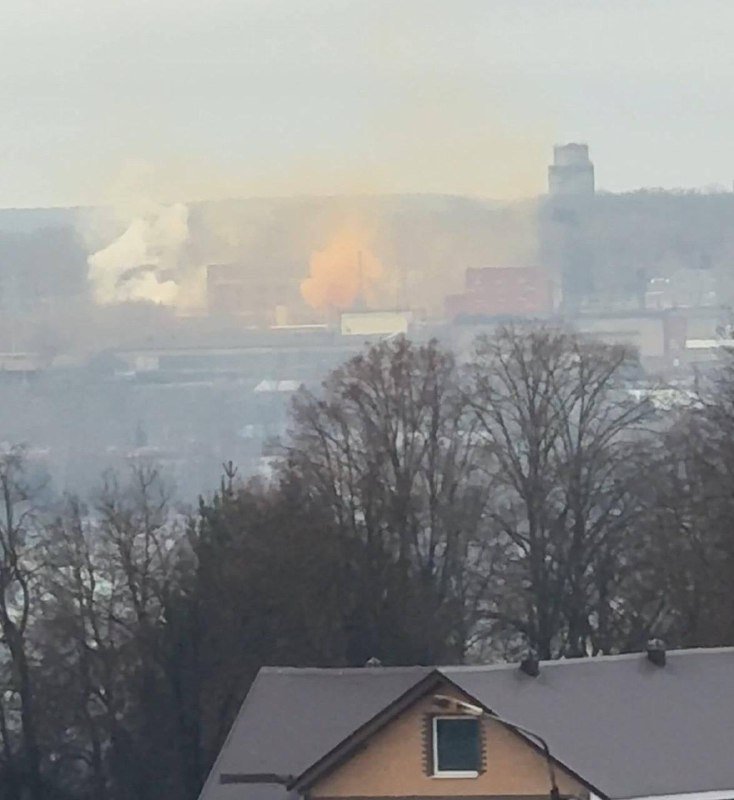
(625,726)
(292,717)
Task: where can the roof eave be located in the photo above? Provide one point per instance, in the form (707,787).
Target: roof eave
(346,747)
(556,761)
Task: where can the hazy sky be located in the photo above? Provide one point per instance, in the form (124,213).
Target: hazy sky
(222,97)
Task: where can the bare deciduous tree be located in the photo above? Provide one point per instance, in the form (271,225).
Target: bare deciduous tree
(689,536)
(559,437)
(388,448)
(19,565)
(110,572)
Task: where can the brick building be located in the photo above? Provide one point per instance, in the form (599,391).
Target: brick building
(499,291)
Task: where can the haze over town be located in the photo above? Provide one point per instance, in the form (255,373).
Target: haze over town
(260,98)
(365,334)
(318,159)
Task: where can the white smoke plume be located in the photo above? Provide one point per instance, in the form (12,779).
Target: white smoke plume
(147,262)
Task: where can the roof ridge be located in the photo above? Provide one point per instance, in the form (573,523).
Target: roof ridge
(290,670)
(554,662)
(558,662)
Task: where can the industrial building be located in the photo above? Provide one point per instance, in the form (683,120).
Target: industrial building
(572,173)
(255,294)
(503,291)
(375,323)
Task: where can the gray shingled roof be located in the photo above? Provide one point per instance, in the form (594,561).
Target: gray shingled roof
(627,727)
(292,717)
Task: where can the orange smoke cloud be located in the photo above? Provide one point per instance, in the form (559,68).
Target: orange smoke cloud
(344,272)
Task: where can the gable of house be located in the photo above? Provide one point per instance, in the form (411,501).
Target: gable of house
(400,761)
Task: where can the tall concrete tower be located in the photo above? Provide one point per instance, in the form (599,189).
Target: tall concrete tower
(571,174)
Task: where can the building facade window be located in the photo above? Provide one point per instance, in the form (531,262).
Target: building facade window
(457,744)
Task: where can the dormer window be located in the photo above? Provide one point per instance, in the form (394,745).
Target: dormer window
(456,747)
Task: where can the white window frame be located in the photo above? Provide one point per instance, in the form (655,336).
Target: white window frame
(434,740)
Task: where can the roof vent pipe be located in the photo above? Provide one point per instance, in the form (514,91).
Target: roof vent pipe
(530,665)
(656,652)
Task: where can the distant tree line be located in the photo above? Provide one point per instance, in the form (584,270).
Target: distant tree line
(423,511)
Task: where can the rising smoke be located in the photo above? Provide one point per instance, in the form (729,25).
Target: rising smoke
(147,262)
(343,274)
